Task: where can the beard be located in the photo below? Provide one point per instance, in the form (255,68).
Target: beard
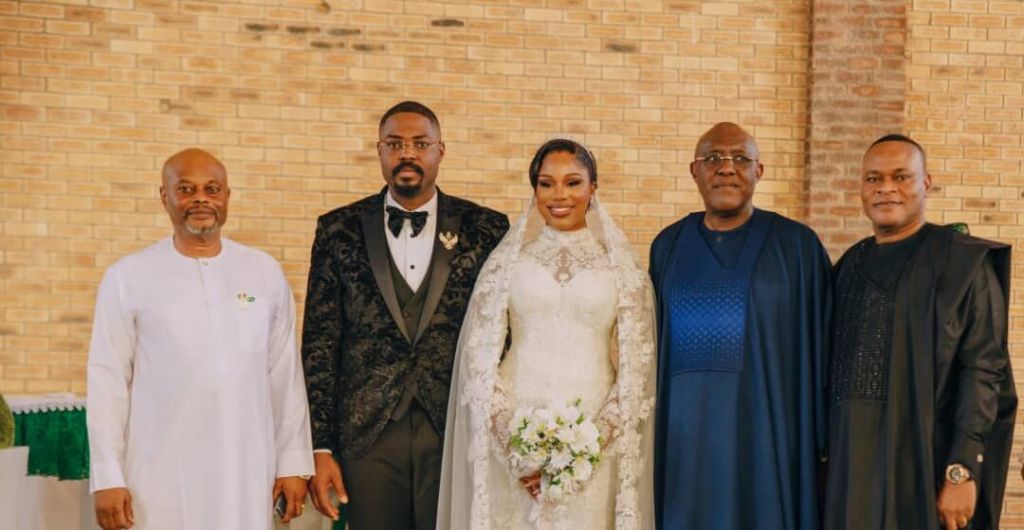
(202,230)
(406,190)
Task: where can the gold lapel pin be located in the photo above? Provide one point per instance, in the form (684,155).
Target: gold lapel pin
(448,240)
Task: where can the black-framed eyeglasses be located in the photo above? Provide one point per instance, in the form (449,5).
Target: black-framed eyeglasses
(397,146)
(716,160)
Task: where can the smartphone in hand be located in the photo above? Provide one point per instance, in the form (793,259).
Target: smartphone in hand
(280,505)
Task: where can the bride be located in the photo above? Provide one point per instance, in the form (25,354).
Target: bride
(561,314)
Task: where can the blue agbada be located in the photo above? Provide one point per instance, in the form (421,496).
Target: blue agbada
(741,374)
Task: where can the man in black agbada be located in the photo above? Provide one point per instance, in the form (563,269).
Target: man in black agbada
(389,282)
(921,391)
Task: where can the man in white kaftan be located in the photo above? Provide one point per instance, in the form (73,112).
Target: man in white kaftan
(196,399)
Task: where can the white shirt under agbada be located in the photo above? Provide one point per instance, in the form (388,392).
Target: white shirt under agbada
(196,398)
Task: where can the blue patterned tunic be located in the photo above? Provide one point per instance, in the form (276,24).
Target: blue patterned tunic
(741,419)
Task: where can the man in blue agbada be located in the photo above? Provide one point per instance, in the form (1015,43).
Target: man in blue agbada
(744,298)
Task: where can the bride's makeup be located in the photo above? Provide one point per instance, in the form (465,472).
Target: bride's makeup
(563,192)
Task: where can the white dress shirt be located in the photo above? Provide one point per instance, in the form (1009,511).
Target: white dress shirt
(412,254)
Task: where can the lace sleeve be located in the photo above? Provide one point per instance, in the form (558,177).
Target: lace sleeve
(501,411)
(501,414)
(634,395)
(609,420)
(629,403)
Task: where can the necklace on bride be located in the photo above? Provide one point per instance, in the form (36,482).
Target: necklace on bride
(565,254)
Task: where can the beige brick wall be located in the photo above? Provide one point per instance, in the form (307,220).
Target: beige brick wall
(858,89)
(96,94)
(965,97)
(288,94)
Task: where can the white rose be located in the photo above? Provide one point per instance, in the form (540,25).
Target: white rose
(530,434)
(585,437)
(560,460)
(582,469)
(566,433)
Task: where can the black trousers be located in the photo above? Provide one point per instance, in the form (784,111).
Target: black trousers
(395,485)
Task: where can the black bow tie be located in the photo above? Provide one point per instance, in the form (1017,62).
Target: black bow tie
(397,216)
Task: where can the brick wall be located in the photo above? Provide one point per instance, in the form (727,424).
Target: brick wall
(965,95)
(288,94)
(858,89)
(95,94)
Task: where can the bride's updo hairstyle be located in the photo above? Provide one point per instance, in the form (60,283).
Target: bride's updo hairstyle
(581,153)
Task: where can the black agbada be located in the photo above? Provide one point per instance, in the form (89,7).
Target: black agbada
(920,378)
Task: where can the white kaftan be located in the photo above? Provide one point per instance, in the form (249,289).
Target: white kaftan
(196,399)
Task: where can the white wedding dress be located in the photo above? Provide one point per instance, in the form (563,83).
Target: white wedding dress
(562,303)
(554,317)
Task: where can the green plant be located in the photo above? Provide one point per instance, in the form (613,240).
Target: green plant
(6,425)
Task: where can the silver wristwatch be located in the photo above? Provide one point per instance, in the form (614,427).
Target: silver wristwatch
(957,474)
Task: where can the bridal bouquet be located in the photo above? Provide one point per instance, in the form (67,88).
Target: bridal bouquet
(561,442)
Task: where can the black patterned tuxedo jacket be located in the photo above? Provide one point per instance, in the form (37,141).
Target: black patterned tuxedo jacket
(357,354)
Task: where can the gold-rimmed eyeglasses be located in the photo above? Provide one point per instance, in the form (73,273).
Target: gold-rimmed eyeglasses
(716,160)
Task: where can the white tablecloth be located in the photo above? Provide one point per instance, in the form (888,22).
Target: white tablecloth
(21,403)
(41,503)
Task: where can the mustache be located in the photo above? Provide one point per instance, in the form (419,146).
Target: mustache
(406,165)
(202,209)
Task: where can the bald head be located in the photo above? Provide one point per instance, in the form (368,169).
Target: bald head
(726,133)
(726,170)
(195,194)
(189,160)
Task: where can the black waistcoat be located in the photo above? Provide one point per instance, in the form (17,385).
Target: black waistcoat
(412,303)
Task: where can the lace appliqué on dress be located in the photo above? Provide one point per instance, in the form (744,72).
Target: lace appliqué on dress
(565,254)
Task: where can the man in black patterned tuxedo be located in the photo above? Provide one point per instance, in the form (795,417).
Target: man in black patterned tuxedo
(389,281)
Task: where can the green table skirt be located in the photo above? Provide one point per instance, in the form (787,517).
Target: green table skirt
(57,441)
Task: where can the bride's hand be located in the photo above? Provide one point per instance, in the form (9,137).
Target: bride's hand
(531,483)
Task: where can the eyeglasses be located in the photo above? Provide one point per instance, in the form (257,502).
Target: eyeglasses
(716,160)
(397,146)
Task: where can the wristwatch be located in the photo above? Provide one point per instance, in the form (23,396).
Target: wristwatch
(957,474)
